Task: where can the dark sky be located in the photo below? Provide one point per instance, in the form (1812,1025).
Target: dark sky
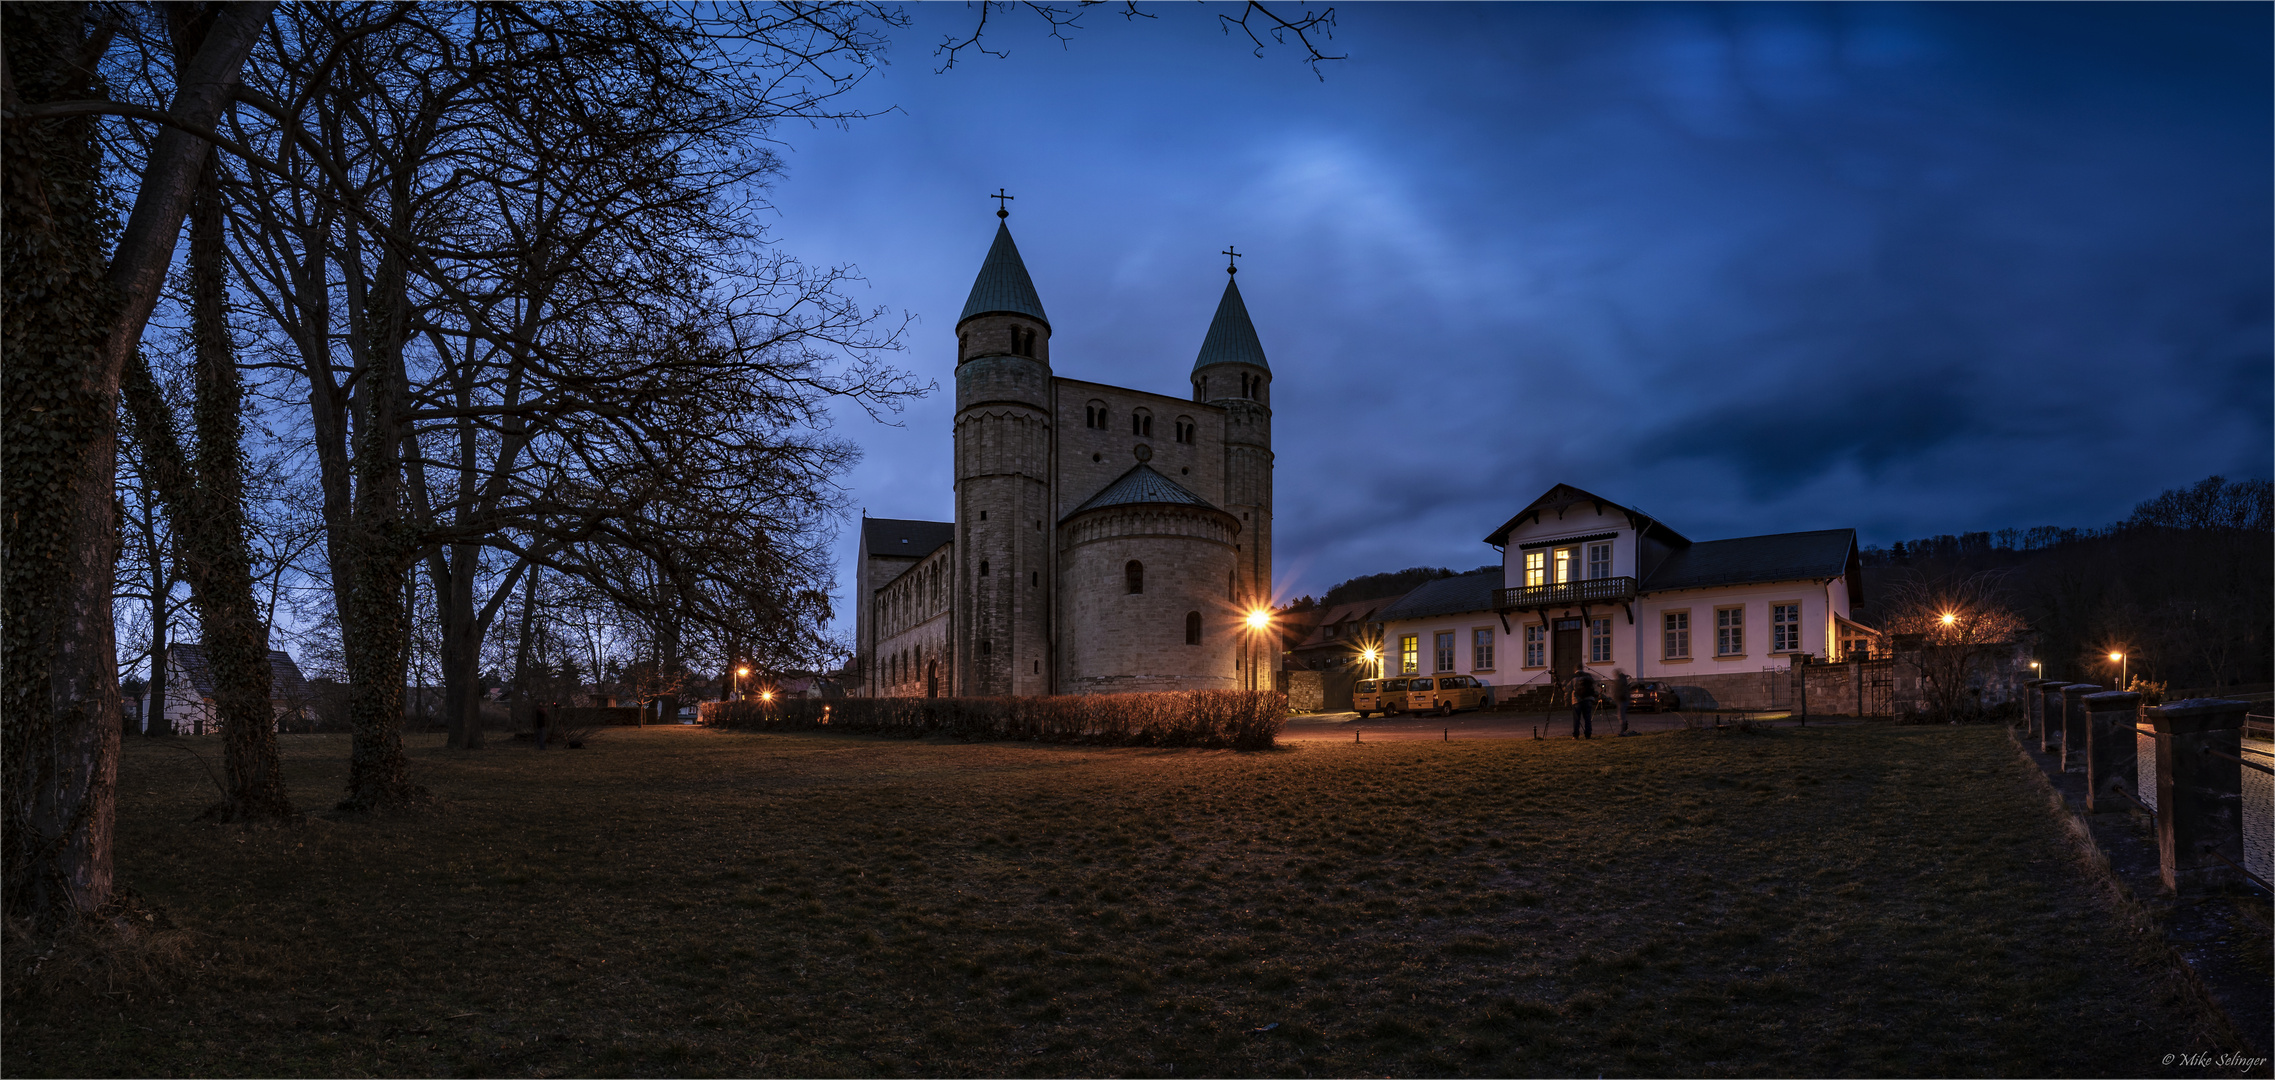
(1753,269)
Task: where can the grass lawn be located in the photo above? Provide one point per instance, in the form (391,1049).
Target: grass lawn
(1848,900)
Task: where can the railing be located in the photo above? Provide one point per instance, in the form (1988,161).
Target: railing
(1586,591)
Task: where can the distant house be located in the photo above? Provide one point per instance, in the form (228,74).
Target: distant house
(189,689)
(1341,637)
(1590,585)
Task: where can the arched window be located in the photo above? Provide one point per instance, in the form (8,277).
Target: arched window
(987,648)
(983,567)
(1141,423)
(1200,389)
(1094,415)
(1134,575)
(1192,628)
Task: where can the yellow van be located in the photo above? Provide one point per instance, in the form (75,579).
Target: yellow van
(1444,694)
(1384,696)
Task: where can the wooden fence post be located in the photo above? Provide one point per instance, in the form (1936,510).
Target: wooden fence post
(2199,791)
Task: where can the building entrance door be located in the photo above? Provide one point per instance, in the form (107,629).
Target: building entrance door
(1564,659)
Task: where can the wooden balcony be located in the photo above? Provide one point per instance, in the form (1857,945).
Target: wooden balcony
(1603,590)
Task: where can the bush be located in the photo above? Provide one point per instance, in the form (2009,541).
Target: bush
(1238,719)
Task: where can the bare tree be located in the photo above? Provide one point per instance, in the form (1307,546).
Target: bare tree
(150,570)
(1945,627)
(74,312)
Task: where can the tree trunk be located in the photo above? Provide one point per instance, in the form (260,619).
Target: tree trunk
(161,583)
(213,539)
(70,321)
(461,646)
(59,711)
(374,619)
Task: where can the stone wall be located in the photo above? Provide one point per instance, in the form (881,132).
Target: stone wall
(1319,691)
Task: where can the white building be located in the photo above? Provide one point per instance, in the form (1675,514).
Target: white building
(1589,584)
(189,690)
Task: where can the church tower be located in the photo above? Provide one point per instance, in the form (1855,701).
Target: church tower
(1004,573)
(1231,372)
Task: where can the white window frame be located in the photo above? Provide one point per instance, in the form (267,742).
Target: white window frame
(1672,647)
(1603,564)
(1481,644)
(1442,650)
(1536,645)
(1536,568)
(1729,631)
(1785,635)
(1599,640)
(1564,564)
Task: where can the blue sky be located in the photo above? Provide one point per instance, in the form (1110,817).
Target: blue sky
(1754,269)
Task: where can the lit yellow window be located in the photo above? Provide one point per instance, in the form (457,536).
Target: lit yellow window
(1536,569)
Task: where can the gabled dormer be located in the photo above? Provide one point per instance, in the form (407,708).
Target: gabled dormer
(1571,546)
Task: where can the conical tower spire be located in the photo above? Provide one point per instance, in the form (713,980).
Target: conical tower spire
(1232,338)
(1003,286)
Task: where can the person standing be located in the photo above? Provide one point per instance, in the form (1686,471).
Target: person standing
(1619,696)
(1583,706)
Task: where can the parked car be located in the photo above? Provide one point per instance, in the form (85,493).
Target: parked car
(1652,697)
(1444,694)
(1384,696)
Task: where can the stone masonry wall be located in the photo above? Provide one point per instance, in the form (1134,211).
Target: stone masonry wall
(1118,642)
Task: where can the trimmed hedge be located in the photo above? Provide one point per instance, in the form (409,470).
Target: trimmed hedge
(1239,719)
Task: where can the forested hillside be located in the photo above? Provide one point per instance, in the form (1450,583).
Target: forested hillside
(2182,586)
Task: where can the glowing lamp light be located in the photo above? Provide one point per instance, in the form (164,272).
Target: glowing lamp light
(766,695)
(1369,655)
(742,671)
(1259,619)
(2115,656)
(1949,618)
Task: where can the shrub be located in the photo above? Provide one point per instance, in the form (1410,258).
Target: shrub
(1238,719)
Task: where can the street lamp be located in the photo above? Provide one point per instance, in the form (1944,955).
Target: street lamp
(2123,681)
(1373,658)
(1949,618)
(1258,620)
(741,673)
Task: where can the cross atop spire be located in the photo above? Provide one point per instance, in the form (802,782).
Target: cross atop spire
(1000,210)
(1230,267)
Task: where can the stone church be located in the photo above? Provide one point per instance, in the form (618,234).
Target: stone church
(1105,540)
